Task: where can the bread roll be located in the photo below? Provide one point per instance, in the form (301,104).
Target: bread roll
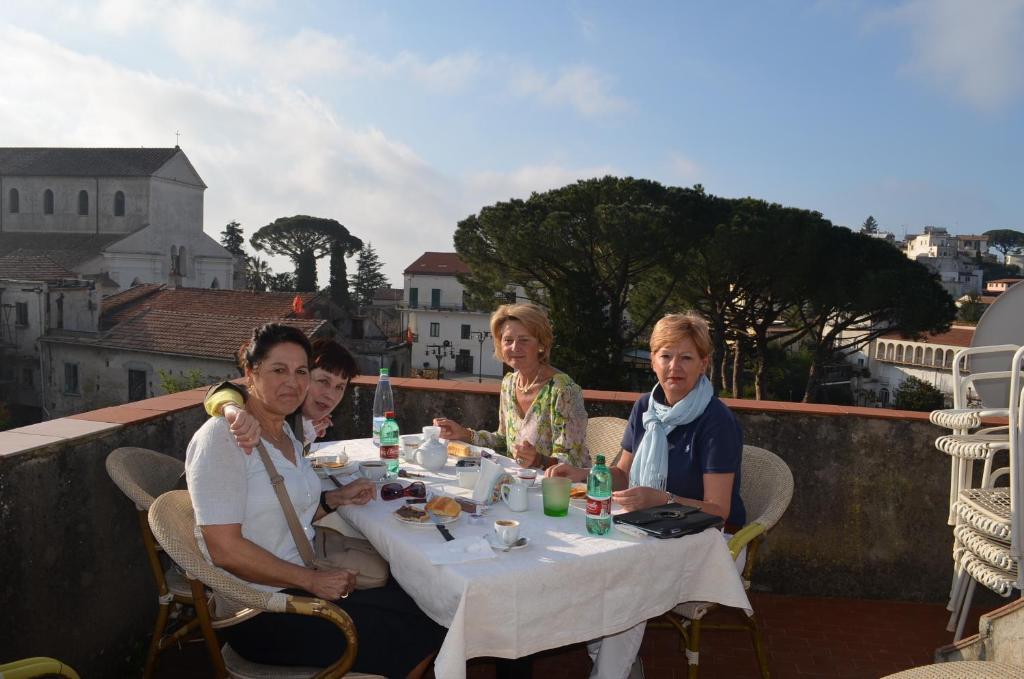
(444,506)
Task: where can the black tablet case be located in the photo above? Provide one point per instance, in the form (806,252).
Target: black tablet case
(669,521)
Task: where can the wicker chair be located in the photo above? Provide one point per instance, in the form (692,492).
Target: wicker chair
(143,475)
(604,437)
(28,668)
(766,488)
(173,522)
(962,669)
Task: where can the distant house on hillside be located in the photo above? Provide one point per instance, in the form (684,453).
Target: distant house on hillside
(37,297)
(439,321)
(941,252)
(121,216)
(893,358)
(1001,285)
(153,328)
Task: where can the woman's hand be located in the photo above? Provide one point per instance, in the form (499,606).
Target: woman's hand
(574,474)
(452,430)
(321,425)
(526,455)
(332,583)
(359,492)
(639,497)
(244,427)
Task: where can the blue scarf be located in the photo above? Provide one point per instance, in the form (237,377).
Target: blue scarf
(650,461)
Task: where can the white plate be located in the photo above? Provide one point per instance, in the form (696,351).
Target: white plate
(443,520)
(347,470)
(499,546)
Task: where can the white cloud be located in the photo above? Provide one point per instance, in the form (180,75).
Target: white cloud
(487,187)
(972,49)
(580,87)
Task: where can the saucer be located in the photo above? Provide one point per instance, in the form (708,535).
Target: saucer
(499,546)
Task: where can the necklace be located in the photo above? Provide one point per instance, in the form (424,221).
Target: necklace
(529,387)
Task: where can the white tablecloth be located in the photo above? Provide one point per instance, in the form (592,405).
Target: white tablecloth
(565,587)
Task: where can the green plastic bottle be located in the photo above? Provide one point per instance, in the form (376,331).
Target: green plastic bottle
(599,498)
(389,441)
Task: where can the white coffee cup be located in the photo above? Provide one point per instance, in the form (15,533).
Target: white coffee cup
(375,470)
(507,531)
(468,477)
(514,495)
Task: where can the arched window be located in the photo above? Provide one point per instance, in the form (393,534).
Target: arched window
(890,352)
(918,355)
(174,260)
(879,350)
(119,204)
(47,202)
(13,202)
(928,356)
(949,358)
(83,202)
(883,397)
(215,284)
(899,353)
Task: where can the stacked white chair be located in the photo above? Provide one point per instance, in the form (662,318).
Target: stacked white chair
(985,517)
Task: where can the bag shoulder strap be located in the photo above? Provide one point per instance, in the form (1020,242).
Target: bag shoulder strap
(277,481)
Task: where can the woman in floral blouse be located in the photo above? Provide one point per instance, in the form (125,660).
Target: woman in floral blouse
(541,412)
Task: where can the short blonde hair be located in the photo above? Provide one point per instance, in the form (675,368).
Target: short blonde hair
(533,317)
(674,328)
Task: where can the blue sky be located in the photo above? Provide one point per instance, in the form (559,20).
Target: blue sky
(400,118)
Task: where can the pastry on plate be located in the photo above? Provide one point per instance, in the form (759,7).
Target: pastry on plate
(459,449)
(578,491)
(410,513)
(444,506)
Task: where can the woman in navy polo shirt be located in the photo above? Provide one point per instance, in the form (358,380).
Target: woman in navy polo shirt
(682,444)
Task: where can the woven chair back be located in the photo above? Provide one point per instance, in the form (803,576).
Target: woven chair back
(766,486)
(604,437)
(174,524)
(142,474)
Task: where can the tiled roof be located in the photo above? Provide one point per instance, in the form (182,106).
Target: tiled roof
(1008,281)
(66,249)
(957,336)
(438,264)
(265,306)
(83,162)
(192,334)
(21,266)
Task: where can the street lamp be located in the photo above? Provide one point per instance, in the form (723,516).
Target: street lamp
(440,352)
(481,335)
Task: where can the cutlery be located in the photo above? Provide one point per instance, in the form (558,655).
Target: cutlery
(441,528)
(518,543)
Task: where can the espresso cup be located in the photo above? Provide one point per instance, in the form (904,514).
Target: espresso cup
(375,470)
(507,531)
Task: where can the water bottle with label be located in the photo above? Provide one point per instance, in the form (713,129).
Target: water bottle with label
(599,498)
(389,438)
(383,401)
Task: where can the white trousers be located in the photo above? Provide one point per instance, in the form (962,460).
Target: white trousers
(613,656)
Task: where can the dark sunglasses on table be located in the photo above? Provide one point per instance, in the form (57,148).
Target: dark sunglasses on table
(393,491)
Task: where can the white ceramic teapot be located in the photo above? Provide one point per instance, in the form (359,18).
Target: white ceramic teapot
(432,455)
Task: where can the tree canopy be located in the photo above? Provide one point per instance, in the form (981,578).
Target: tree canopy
(870,226)
(580,250)
(1005,240)
(369,275)
(306,239)
(232,238)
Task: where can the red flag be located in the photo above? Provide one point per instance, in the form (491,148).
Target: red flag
(297,305)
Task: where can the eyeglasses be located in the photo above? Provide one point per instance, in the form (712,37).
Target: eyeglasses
(393,491)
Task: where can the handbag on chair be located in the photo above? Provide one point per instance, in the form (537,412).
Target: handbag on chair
(333,550)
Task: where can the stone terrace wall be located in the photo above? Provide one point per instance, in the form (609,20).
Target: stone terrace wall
(867,519)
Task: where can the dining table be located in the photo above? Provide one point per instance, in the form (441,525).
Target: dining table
(563,587)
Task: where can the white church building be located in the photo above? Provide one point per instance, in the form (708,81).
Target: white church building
(119,216)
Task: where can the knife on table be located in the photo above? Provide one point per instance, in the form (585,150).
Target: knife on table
(441,527)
